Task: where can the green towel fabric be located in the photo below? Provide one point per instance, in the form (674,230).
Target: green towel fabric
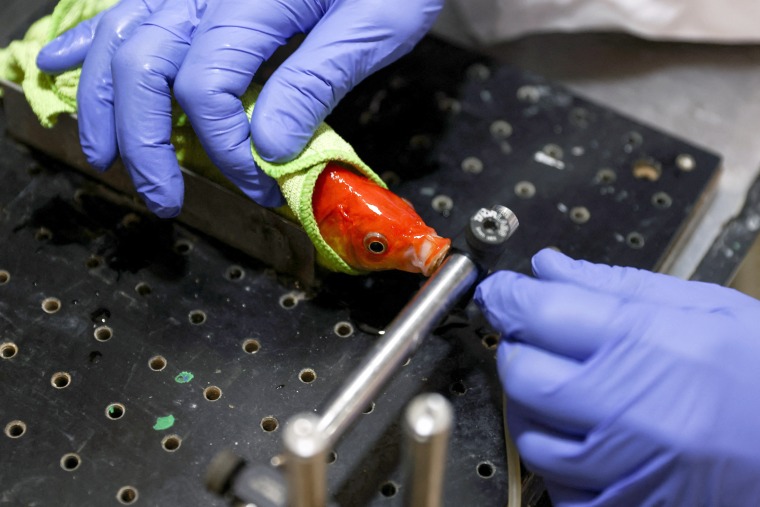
(298,177)
(50,96)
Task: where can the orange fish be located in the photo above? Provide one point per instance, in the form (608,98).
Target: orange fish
(372,228)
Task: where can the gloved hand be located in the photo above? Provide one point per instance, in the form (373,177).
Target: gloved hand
(629,388)
(207,51)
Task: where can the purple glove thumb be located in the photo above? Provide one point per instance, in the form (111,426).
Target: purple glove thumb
(351,41)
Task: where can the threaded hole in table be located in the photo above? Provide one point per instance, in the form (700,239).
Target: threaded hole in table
(485,470)
(269,424)
(103,333)
(60,380)
(70,462)
(15,429)
(115,411)
(197,317)
(307,375)
(51,305)
(389,489)
(251,346)
(127,495)
(8,350)
(171,443)
(157,363)
(212,393)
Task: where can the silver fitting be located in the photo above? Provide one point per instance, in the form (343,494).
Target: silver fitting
(492,227)
(427,424)
(305,464)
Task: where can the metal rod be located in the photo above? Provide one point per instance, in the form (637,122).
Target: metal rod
(454,278)
(305,463)
(427,425)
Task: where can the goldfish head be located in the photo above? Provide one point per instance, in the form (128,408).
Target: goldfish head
(415,251)
(373,229)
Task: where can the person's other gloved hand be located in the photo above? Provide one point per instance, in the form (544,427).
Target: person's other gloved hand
(629,388)
(137,52)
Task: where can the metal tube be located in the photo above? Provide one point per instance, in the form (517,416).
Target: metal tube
(427,425)
(454,278)
(305,464)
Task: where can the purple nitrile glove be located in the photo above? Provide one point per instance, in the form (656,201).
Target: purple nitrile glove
(629,388)
(206,52)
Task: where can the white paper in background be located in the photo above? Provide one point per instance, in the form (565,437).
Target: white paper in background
(728,21)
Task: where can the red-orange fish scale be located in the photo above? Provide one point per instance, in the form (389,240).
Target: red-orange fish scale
(348,207)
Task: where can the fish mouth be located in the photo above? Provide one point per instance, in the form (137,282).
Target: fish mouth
(431,251)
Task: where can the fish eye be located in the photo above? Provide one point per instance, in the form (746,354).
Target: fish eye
(375,243)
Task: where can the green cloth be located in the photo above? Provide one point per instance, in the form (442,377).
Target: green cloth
(295,178)
(298,177)
(50,96)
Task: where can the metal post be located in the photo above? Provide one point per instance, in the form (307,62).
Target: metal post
(457,275)
(306,466)
(488,230)
(427,425)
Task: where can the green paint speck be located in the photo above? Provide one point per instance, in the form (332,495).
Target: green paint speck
(163,423)
(184,377)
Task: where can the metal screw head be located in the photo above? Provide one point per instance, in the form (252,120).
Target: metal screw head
(493,226)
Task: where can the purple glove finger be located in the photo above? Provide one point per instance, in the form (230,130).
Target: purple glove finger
(524,431)
(590,463)
(551,316)
(97,128)
(627,282)
(142,69)
(540,385)
(648,485)
(227,49)
(568,497)
(69,49)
